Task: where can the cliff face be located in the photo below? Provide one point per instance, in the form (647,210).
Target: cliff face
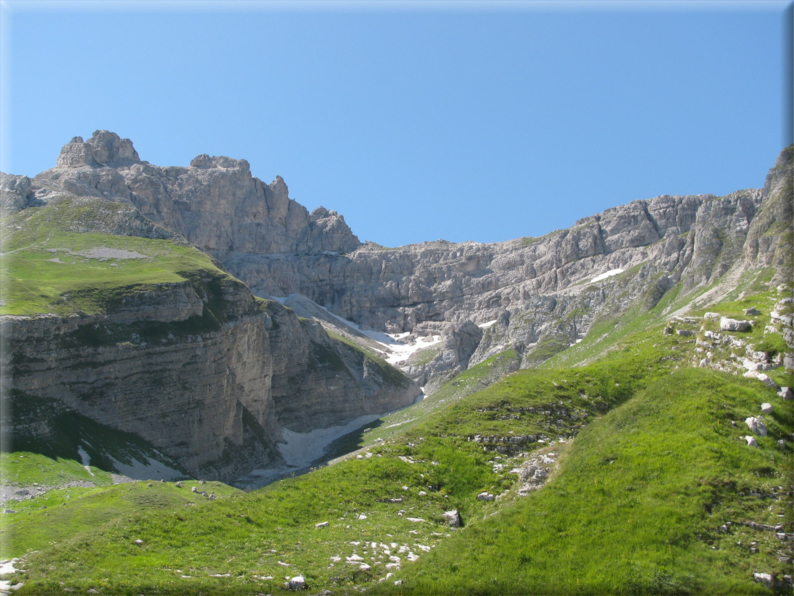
(320,382)
(162,366)
(534,295)
(143,333)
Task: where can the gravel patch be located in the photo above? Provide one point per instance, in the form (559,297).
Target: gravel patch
(14,492)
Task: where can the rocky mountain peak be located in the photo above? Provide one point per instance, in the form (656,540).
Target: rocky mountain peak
(206,162)
(104,148)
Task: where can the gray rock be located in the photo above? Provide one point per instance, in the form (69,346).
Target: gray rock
(15,193)
(727,324)
(752,312)
(685,332)
(766,579)
(297,583)
(756,426)
(453,518)
(765,379)
(215,203)
(751,442)
(321,525)
(485,496)
(786,394)
(103,148)
(766,408)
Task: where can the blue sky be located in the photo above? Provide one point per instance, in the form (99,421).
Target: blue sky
(417,122)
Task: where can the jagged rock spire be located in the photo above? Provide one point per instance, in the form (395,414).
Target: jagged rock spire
(103,148)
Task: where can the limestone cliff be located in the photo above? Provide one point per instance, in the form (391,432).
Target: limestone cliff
(119,320)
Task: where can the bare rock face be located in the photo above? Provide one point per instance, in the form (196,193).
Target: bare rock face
(397,289)
(215,203)
(103,148)
(15,193)
(156,367)
(320,382)
(453,357)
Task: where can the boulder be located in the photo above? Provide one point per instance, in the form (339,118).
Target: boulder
(297,583)
(751,442)
(764,578)
(766,408)
(453,518)
(685,332)
(756,425)
(321,525)
(752,312)
(754,374)
(786,394)
(727,324)
(485,496)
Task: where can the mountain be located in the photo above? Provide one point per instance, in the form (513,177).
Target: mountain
(606,408)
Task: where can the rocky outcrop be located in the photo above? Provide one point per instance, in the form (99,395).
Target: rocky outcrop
(397,289)
(451,358)
(769,240)
(15,193)
(215,203)
(162,366)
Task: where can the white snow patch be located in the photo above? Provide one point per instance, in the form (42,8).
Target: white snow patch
(399,351)
(391,343)
(486,325)
(151,469)
(300,449)
(609,273)
(7,567)
(85,458)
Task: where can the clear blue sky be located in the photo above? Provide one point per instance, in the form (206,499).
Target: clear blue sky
(463,123)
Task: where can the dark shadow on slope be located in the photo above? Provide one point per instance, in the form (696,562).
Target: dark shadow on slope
(45,426)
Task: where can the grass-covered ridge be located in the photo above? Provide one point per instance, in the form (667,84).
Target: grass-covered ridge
(71,257)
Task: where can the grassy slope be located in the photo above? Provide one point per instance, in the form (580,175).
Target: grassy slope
(32,283)
(62,513)
(647,486)
(674,456)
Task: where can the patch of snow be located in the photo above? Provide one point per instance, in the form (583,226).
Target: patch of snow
(103,253)
(301,449)
(390,342)
(609,273)
(486,325)
(151,469)
(8,567)
(85,458)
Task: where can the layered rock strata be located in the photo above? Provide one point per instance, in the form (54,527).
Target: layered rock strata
(160,367)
